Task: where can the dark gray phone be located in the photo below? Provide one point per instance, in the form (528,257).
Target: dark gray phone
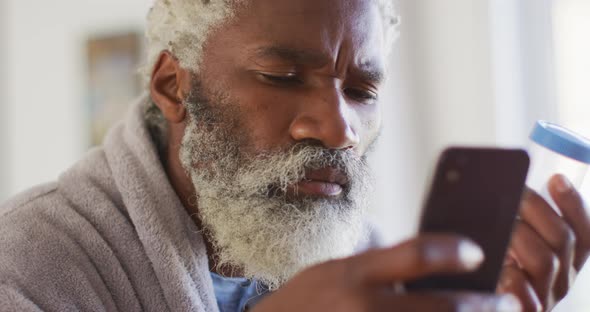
(476,193)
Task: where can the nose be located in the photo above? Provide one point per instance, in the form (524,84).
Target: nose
(328,119)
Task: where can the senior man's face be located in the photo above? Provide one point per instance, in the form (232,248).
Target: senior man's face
(282,114)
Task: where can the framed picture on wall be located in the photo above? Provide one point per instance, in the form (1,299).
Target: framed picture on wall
(113,79)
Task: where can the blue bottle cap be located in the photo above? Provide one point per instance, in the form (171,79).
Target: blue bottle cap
(561,141)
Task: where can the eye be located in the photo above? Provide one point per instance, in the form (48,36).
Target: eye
(361,95)
(282,79)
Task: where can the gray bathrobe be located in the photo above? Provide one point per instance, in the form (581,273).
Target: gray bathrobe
(109,235)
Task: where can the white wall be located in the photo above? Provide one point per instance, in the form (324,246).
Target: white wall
(450,49)
(45,92)
(538,59)
(443,95)
(523,67)
(481,72)
(395,163)
(3,105)
(467,72)
(572,21)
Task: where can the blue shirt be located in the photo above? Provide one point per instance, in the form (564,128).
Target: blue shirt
(236,294)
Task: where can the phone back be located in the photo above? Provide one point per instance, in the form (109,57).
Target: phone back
(475,193)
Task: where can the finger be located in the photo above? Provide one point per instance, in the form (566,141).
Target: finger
(556,233)
(544,220)
(417,258)
(574,212)
(514,281)
(536,258)
(443,302)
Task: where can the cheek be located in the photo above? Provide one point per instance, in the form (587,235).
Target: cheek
(371,122)
(266,116)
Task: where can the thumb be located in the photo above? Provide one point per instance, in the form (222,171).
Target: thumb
(420,257)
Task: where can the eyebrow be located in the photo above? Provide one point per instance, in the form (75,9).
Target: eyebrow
(368,72)
(296,56)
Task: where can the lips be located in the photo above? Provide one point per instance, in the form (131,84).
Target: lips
(325,182)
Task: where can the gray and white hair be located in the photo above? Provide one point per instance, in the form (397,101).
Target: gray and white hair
(183,26)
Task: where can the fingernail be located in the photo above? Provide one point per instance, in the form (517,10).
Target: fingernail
(563,185)
(470,254)
(508,303)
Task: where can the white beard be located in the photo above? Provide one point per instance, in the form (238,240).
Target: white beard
(257,229)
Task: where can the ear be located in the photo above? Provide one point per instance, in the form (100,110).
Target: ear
(168,85)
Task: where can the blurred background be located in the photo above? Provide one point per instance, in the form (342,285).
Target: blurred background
(464,72)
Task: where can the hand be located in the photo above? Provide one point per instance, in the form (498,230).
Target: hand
(547,250)
(365,282)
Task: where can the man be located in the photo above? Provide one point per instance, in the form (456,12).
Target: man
(240,182)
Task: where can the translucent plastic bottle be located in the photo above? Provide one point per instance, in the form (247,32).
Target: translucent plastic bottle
(556,150)
(553,150)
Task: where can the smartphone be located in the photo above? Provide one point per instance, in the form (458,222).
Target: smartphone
(476,192)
